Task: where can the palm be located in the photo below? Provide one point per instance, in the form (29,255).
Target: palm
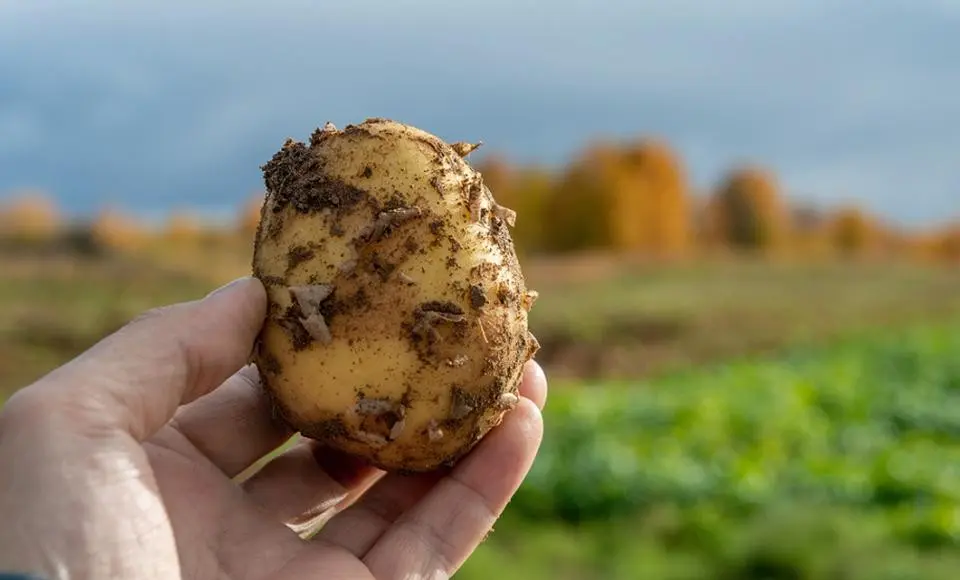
(224,531)
(424,525)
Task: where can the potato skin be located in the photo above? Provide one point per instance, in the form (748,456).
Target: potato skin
(397,322)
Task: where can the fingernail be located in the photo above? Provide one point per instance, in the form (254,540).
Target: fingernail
(228,286)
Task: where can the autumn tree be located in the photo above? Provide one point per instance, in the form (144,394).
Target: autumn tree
(897,241)
(947,243)
(30,216)
(577,214)
(182,227)
(531,192)
(498,175)
(114,230)
(249,218)
(852,231)
(748,212)
(650,211)
(809,230)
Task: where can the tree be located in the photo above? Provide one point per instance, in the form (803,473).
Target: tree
(651,209)
(182,226)
(249,218)
(30,216)
(748,211)
(111,229)
(852,231)
(578,212)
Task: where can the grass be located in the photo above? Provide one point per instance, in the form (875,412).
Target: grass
(52,311)
(603,316)
(648,320)
(596,317)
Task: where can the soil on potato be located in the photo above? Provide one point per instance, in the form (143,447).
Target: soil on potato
(297,182)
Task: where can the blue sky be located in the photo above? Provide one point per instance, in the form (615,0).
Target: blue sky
(176,103)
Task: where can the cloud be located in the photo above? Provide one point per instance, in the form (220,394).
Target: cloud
(175,102)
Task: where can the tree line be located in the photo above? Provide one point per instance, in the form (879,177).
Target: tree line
(633,197)
(637,198)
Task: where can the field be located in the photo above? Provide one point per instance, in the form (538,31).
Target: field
(836,463)
(723,419)
(598,317)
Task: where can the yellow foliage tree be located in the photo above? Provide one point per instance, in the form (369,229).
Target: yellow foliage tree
(947,243)
(114,230)
(30,215)
(852,231)
(630,198)
(526,191)
(498,175)
(748,212)
(182,227)
(896,241)
(651,211)
(249,219)
(531,193)
(578,211)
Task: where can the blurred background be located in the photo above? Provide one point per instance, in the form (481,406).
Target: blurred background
(741,216)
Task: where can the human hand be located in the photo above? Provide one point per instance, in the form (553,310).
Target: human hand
(123,464)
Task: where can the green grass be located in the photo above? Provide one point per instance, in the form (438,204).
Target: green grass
(840,462)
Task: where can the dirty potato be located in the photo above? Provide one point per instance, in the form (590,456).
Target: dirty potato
(397,325)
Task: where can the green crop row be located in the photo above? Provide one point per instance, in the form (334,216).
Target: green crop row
(799,467)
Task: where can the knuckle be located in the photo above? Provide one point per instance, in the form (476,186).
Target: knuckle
(153,314)
(26,408)
(37,412)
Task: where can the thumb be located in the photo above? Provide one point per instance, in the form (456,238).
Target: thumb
(136,378)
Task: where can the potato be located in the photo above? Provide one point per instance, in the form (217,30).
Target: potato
(397,325)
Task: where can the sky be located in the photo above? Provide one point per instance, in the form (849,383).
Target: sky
(175,104)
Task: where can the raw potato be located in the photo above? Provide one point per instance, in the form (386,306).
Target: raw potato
(397,325)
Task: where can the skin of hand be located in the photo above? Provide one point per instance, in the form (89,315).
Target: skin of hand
(124,463)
